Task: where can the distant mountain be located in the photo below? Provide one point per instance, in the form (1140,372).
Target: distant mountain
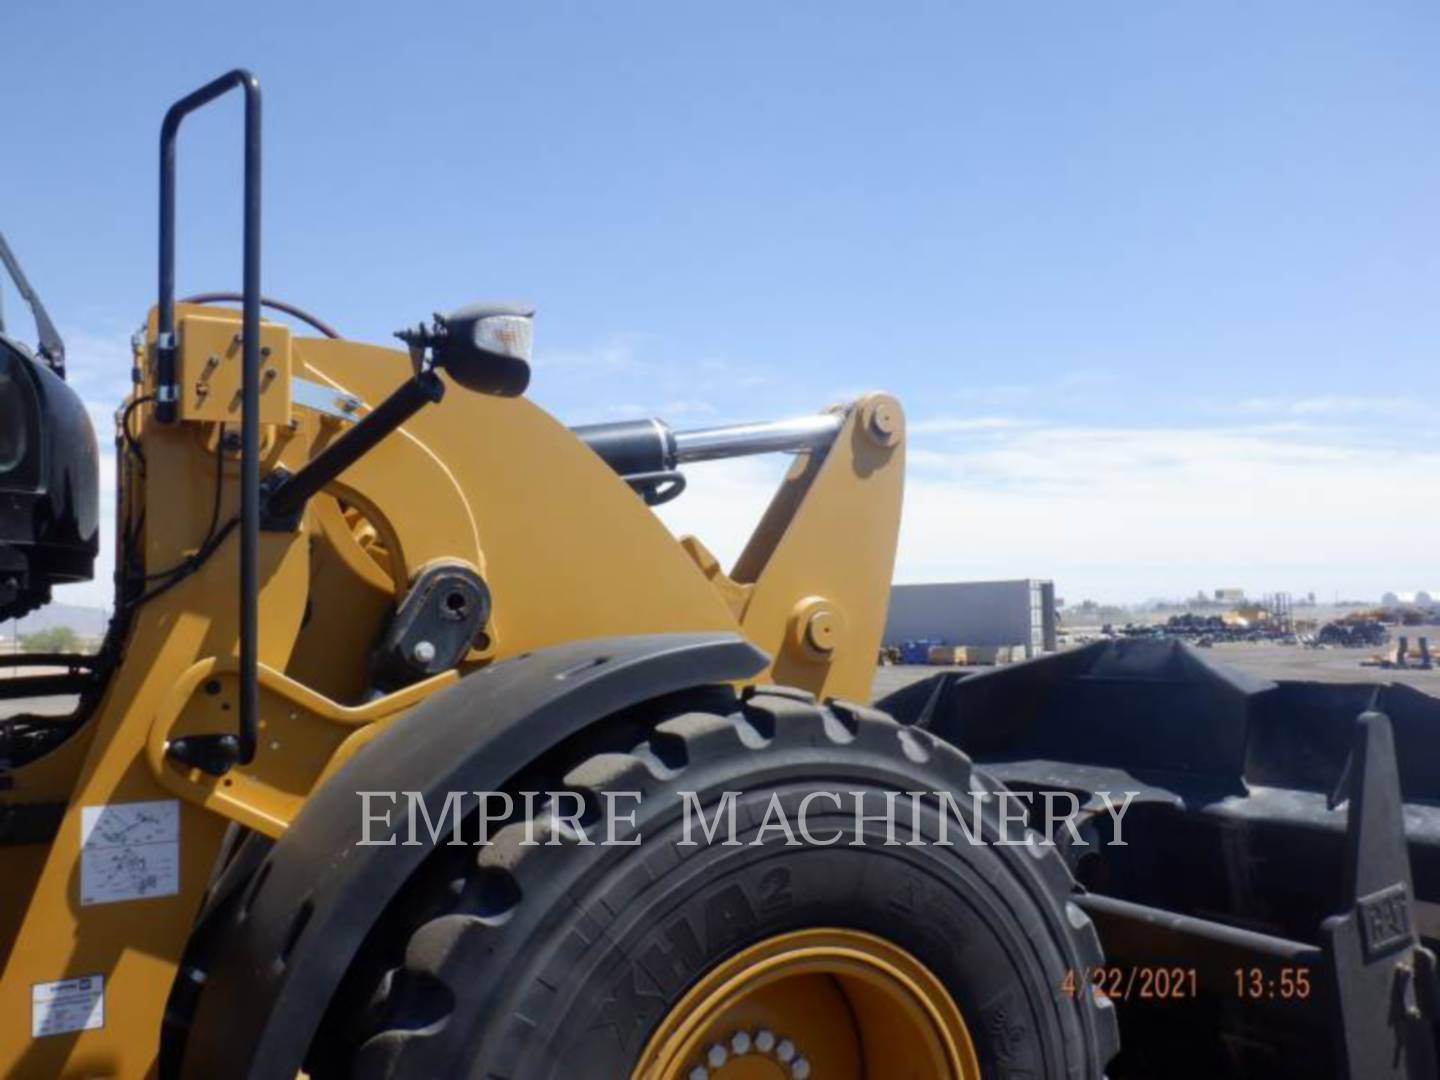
(85,621)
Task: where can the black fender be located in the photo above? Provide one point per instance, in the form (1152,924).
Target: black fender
(273,955)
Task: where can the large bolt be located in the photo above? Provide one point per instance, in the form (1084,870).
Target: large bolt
(817,627)
(882,419)
(821,630)
(423,652)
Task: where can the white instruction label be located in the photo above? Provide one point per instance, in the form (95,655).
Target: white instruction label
(129,851)
(68,1005)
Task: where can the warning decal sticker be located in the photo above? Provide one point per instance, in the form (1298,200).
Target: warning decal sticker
(129,851)
(69,1005)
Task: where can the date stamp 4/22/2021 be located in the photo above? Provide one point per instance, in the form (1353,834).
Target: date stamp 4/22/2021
(1144,982)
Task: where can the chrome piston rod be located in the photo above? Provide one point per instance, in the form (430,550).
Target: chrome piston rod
(649,453)
(645,447)
(765,437)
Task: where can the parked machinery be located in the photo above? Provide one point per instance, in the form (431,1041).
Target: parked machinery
(359,586)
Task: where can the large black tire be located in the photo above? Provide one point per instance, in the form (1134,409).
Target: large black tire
(529,962)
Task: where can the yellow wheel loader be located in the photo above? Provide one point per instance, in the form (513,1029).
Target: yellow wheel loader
(418,747)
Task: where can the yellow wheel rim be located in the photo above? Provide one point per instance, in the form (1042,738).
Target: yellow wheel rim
(820,1004)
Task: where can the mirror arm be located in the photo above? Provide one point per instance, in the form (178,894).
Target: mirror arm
(284,495)
(51,348)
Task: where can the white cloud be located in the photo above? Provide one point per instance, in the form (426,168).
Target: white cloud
(1113,513)
(609,358)
(1339,405)
(950,425)
(98,367)
(1072,386)
(724,501)
(637,375)
(687,407)
(1126,514)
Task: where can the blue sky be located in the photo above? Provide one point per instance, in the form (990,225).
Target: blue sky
(1156,283)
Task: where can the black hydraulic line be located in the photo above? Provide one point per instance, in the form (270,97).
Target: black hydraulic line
(265,301)
(130,441)
(167,392)
(179,573)
(284,502)
(193,562)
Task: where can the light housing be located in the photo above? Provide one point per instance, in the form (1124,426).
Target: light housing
(486,347)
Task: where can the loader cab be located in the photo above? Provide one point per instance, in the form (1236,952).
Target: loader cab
(49,482)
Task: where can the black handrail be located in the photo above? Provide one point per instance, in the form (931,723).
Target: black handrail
(167,391)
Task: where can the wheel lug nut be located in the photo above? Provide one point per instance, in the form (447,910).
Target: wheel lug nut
(740,1043)
(786,1050)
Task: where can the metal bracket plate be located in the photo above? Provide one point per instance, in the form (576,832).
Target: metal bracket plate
(210,369)
(325,400)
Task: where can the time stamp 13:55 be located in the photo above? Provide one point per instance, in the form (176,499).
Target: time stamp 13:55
(1161,983)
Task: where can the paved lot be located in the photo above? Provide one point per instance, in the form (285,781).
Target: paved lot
(1267,660)
(44,706)
(1325,665)
(890,679)
(37,706)
(1259,658)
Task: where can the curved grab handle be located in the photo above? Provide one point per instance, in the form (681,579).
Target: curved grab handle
(166,390)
